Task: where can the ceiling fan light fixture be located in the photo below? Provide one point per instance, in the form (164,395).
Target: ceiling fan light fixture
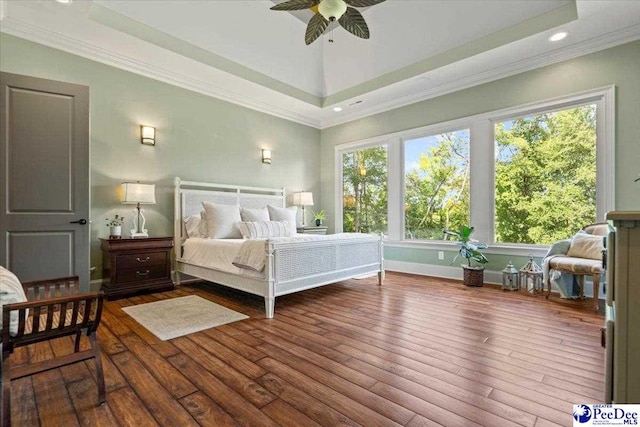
(332,10)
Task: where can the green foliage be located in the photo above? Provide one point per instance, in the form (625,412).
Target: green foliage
(365,190)
(546,176)
(469,248)
(117,221)
(545,181)
(437,192)
(320,215)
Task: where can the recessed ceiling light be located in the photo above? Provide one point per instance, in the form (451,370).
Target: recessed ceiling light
(64,1)
(558,36)
(337,109)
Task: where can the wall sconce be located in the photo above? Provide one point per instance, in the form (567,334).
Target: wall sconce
(148,135)
(266,156)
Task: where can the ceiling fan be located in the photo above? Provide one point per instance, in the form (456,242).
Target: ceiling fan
(327,11)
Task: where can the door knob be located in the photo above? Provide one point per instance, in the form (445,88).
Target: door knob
(80,221)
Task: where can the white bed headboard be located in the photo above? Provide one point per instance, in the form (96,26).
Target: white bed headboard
(189,195)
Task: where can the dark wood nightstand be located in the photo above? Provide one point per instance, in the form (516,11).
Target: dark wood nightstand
(131,265)
(309,229)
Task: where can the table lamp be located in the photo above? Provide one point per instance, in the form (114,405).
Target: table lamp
(138,194)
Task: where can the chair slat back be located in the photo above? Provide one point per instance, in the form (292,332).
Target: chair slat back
(53,309)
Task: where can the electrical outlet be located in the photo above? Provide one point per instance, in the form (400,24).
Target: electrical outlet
(440,255)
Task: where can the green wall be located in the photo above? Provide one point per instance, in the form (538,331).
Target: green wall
(619,66)
(203,138)
(199,138)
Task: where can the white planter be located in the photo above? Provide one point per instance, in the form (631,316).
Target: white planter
(115,231)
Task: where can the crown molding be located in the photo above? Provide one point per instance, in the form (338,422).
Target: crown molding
(586,47)
(58,40)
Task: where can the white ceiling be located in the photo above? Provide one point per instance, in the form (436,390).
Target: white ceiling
(245,53)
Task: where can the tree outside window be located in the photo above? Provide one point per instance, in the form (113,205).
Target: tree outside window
(364,178)
(436,184)
(545,175)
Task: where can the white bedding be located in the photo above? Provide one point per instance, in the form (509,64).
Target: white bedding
(218,254)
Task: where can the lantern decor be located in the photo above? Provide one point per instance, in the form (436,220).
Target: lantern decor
(530,277)
(510,278)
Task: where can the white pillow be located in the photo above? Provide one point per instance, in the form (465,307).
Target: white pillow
(11,291)
(586,246)
(264,229)
(222,221)
(261,214)
(192,226)
(195,225)
(203,224)
(284,214)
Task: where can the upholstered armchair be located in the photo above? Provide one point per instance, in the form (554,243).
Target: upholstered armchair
(40,311)
(579,256)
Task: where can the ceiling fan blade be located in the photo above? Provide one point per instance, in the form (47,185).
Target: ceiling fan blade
(353,22)
(295,5)
(362,3)
(316,27)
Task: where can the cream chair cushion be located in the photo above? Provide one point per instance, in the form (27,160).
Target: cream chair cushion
(11,292)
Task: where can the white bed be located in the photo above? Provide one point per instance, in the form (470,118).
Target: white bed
(291,264)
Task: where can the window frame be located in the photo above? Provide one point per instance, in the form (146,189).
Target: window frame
(482,168)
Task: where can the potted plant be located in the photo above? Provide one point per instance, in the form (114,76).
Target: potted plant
(319,217)
(470,249)
(115,226)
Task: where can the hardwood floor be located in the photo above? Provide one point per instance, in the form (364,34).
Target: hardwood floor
(416,352)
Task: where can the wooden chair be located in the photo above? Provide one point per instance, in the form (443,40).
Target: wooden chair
(54,308)
(581,267)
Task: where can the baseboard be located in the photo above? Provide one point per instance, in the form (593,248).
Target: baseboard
(446,272)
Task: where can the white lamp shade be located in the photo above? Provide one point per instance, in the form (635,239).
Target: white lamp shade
(134,192)
(303,198)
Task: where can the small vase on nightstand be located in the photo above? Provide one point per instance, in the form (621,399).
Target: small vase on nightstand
(318,222)
(115,232)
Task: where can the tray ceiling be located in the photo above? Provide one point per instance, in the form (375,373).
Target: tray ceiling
(245,53)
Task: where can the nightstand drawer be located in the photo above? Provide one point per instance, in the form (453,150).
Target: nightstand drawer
(312,230)
(139,274)
(140,260)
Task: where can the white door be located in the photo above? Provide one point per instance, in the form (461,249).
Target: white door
(44,178)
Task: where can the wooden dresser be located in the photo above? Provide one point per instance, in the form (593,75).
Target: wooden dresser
(132,265)
(622,322)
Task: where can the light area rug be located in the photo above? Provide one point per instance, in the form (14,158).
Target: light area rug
(175,317)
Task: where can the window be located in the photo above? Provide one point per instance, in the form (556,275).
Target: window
(545,175)
(364,194)
(522,176)
(436,184)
